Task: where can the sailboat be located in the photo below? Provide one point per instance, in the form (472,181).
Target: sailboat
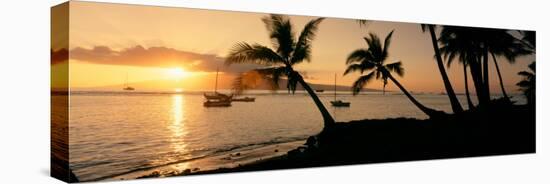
(216,99)
(126,86)
(338,103)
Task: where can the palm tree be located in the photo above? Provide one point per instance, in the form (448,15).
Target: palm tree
(453,47)
(500,42)
(455,104)
(466,89)
(373,59)
(527,85)
(286,52)
(464,43)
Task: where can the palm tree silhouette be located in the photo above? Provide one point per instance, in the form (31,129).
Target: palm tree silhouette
(474,47)
(527,85)
(373,59)
(465,43)
(455,104)
(286,52)
(501,43)
(455,44)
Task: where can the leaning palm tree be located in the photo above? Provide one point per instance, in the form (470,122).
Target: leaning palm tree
(455,104)
(528,84)
(286,52)
(373,59)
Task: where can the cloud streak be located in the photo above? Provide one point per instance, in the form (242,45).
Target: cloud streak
(155,57)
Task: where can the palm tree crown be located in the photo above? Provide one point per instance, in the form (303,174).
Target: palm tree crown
(286,52)
(373,59)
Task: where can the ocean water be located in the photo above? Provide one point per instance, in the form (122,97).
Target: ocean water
(116,133)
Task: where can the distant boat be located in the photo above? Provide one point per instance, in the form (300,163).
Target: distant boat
(216,99)
(320,90)
(217,96)
(126,86)
(217,103)
(338,103)
(245,99)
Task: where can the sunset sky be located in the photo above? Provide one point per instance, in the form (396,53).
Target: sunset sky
(165,48)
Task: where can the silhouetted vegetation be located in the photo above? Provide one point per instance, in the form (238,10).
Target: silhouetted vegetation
(472,133)
(474,46)
(374,58)
(455,104)
(527,85)
(287,51)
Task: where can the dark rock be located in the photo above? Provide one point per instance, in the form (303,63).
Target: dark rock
(187,171)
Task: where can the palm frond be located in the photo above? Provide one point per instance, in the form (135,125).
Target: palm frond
(396,67)
(359,55)
(273,75)
(375,47)
(281,34)
(303,46)
(387,42)
(362,82)
(257,54)
(532,66)
(361,67)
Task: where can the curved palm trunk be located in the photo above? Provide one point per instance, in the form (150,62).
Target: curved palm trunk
(327,118)
(486,90)
(455,104)
(470,104)
(475,70)
(430,112)
(500,78)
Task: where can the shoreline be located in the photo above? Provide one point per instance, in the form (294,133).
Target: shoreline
(228,160)
(501,131)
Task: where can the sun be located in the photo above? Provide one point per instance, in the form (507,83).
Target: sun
(177,73)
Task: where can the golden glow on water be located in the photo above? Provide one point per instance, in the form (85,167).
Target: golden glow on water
(177,126)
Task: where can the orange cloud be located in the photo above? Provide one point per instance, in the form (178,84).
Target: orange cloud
(155,57)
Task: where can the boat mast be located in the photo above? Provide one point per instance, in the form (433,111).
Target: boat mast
(334,86)
(216,85)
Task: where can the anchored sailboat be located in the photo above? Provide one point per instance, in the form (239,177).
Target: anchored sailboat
(126,86)
(216,99)
(338,103)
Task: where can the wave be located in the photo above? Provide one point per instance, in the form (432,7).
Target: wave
(212,152)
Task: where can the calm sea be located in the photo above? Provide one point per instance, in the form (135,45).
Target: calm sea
(114,133)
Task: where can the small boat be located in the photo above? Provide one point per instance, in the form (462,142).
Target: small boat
(320,90)
(217,96)
(245,99)
(217,103)
(338,103)
(216,99)
(126,87)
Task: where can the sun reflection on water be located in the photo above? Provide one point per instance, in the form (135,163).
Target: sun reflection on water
(177,126)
